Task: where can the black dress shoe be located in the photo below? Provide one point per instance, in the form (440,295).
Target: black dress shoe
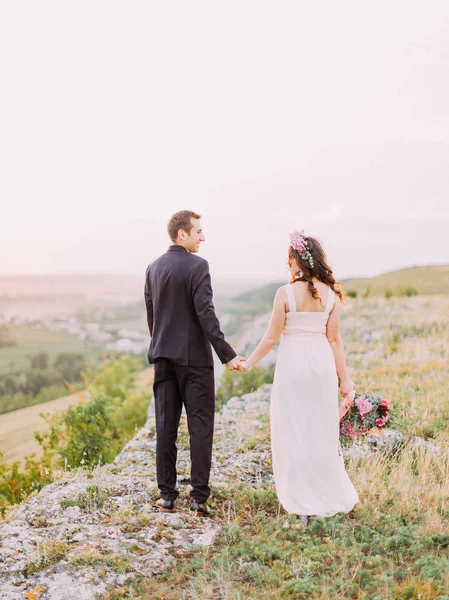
(167,506)
(200,510)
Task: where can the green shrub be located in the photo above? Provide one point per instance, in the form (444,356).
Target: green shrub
(95,431)
(17,483)
(352,293)
(237,383)
(410,291)
(85,434)
(388,294)
(115,377)
(367,292)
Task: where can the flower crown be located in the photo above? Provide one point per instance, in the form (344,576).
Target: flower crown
(299,243)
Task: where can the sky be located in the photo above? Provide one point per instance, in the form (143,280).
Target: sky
(265,117)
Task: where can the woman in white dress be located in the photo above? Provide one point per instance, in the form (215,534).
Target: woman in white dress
(308,466)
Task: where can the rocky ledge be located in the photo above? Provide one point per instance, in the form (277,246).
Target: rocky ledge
(90,531)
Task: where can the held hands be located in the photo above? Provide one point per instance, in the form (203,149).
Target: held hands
(236,364)
(239,363)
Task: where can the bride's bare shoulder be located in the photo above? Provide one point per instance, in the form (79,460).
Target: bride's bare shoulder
(281,297)
(281,291)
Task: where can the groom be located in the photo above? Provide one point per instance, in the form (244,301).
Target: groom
(183,325)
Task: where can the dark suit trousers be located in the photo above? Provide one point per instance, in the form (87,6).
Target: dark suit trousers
(175,385)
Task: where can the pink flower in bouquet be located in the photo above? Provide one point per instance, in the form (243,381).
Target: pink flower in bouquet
(382,421)
(364,405)
(348,430)
(384,404)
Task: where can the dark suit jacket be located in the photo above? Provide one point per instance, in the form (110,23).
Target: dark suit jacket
(180,311)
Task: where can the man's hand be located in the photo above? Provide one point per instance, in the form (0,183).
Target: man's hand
(236,364)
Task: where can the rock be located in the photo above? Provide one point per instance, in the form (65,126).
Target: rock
(70,545)
(123,524)
(417,442)
(389,441)
(206,539)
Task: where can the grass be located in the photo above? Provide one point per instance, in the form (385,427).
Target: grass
(92,499)
(31,341)
(118,563)
(427,280)
(400,348)
(131,522)
(47,553)
(394,545)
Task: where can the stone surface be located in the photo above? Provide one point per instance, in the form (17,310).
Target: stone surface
(124,534)
(102,543)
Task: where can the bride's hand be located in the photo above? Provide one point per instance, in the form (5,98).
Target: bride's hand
(246,366)
(346,387)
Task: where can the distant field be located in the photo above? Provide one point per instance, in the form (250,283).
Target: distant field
(17,428)
(32,341)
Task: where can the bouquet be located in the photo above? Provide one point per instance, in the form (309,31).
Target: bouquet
(367,413)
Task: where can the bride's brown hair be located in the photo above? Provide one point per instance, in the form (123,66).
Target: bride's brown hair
(321,269)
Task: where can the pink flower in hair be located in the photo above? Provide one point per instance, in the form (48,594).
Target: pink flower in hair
(297,240)
(299,243)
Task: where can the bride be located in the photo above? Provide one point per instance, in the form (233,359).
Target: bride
(308,467)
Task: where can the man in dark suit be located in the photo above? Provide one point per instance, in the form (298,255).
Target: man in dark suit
(183,326)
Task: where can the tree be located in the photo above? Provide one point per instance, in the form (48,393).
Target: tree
(39,361)
(69,365)
(5,338)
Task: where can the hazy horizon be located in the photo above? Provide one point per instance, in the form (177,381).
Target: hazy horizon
(263,118)
(134,276)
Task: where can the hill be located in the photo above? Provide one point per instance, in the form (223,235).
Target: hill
(256,300)
(427,280)
(95,534)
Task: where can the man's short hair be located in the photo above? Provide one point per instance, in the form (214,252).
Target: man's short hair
(181,220)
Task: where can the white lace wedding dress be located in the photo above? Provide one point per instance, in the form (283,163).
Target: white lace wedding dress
(308,468)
